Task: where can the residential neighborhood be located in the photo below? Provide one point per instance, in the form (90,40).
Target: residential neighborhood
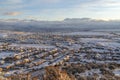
(25,56)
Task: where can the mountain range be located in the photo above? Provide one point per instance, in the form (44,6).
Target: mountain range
(68,24)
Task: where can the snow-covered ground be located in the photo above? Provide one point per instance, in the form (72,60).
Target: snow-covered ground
(31,45)
(87,33)
(117,72)
(107,30)
(109,44)
(55,49)
(6,54)
(93,40)
(3,35)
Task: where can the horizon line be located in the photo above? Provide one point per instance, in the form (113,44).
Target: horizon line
(13,19)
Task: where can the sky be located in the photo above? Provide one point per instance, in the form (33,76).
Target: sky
(59,9)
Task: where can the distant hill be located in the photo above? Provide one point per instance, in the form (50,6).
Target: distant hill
(68,24)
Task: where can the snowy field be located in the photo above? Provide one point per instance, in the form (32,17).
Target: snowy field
(87,33)
(31,46)
(6,54)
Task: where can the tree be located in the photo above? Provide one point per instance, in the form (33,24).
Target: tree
(54,73)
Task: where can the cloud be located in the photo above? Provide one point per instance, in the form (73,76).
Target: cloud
(31,17)
(11,2)
(54,9)
(12,13)
(102,3)
(50,1)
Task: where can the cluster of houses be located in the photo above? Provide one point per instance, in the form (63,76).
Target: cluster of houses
(24,57)
(27,61)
